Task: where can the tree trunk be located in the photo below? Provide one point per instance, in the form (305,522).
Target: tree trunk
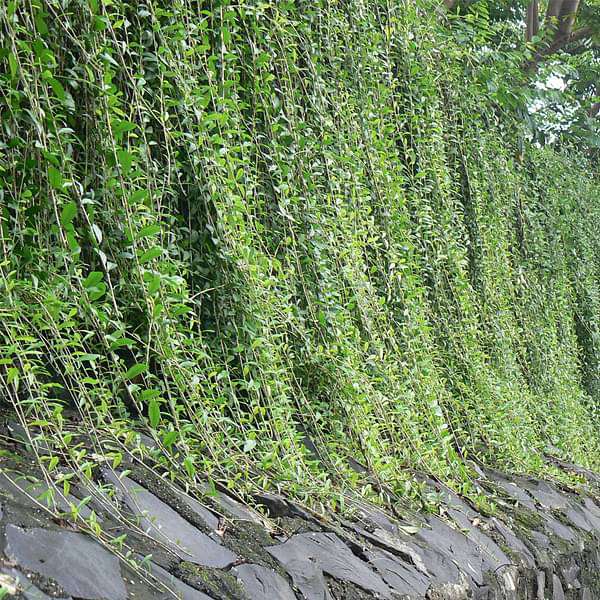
(566,20)
(533,20)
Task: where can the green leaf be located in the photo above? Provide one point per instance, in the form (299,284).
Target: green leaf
(150,394)
(88,357)
(68,214)
(93,279)
(55,178)
(97,292)
(188,463)
(40,23)
(138,196)
(125,160)
(124,341)
(13,65)
(135,371)
(57,88)
(150,254)
(148,231)
(154,413)
(153,285)
(169,438)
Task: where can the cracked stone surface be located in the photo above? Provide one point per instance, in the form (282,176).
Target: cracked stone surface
(79,565)
(261,582)
(164,524)
(541,543)
(305,552)
(183,591)
(400,576)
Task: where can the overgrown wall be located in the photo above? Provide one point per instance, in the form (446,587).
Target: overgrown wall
(269,227)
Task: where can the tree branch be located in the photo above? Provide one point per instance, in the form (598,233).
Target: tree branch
(558,44)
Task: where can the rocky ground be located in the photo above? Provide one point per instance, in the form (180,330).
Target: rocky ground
(541,541)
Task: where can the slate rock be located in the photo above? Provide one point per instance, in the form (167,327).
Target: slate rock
(30,438)
(482,542)
(232,507)
(183,590)
(427,559)
(397,544)
(557,528)
(260,583)
(541,540)
(545,494)
(571,574)
(586,516)
(372,515)
(456,546)
(557,589)
(203,512)
(481,593)
(33,494)
(79,565)
(514,543)
(541,585)
(449,591)
(511,489)
(167,526)
(27,589)
(306,556)
(401,577)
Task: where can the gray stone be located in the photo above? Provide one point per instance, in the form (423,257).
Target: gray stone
(183,591)
(35,493)
(557,589)
(514,543)
(449,591)
(508,578)
(167,526)
(589,511)
(305,554)
(232,507)
(278,506)
(401,577)
(541,540)
(30,438)
(481,593)
(545,494)
(511,488)
(579,518)
(372,515)
(483,543)
(541,585)
(456,546)
(382,537)
(21,582)
(571,574)
(79,565)
(557,528)
(429,560)
(205,515)
(260,583)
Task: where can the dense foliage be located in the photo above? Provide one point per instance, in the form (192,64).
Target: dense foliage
(288,237)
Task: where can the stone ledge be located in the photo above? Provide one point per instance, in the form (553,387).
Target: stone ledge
(542,543)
